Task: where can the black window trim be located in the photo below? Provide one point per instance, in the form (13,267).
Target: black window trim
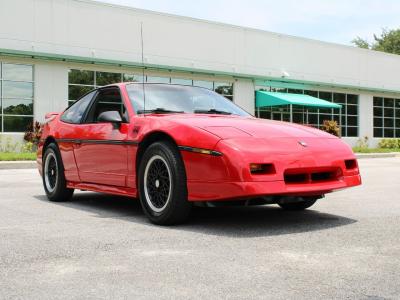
(98,90)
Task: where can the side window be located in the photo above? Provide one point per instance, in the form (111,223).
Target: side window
(75,112)
(107,100)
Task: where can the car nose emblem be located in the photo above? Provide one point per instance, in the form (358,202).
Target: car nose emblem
(304,144)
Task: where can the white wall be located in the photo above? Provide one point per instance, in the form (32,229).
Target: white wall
(51,89)
(91,29)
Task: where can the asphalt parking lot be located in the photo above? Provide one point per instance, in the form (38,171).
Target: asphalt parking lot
(346,246)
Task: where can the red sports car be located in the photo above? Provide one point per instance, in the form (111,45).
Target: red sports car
(172,146)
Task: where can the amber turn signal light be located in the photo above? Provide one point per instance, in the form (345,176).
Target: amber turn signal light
(350,164)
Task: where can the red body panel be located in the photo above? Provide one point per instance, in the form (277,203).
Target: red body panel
(111,167)
(102,163)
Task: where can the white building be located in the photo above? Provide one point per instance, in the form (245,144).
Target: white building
(52,51)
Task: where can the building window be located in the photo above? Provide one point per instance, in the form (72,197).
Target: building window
(81,82)
(158,79)
(132,78)
(204,84)
(225,89)
(182,81)
(316,117)
(104,78)
(386,117)
(16,98)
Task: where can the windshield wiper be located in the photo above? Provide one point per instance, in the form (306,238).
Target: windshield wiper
(159,110)
(212,111)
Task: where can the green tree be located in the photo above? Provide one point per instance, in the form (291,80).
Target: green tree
(361,43)
(388,41)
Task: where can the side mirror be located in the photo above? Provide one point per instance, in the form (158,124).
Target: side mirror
(111,116)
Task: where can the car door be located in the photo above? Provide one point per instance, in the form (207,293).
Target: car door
(70,132)
(102,153)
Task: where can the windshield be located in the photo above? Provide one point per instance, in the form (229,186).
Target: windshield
(167,98)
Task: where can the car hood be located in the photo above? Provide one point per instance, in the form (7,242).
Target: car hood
(227,127)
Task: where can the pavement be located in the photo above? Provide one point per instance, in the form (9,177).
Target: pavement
(347,246)
(19,164)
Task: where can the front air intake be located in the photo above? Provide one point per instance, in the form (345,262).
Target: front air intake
(307,176)
(296,178)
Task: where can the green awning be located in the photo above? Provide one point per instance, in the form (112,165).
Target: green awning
(264,99)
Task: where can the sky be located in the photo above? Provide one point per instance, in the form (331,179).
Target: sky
(337,21)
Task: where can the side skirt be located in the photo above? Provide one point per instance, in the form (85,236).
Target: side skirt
(113,190)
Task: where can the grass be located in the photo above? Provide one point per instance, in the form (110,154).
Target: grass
(375,150)
(11,156)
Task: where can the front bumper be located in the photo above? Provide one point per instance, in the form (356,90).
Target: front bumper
(209,191)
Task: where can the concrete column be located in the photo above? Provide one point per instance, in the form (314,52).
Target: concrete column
(243,94)
(366,116)
(51,89)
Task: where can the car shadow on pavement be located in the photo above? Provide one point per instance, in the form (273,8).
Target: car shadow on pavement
(252,221)
(103,206)
(266,220)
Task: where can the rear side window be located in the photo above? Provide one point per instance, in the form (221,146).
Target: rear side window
(75,113)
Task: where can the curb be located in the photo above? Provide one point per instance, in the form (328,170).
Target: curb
(9,165)
(377,155)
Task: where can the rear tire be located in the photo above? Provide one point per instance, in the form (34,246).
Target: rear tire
(54,182)
(299,205)
(162,185)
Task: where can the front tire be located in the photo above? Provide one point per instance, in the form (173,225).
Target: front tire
(54,182)
(301,204)
(162,185)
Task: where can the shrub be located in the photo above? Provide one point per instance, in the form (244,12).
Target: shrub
(331,127)
(28,147)
(33,133)
(389,143)
(363,143)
